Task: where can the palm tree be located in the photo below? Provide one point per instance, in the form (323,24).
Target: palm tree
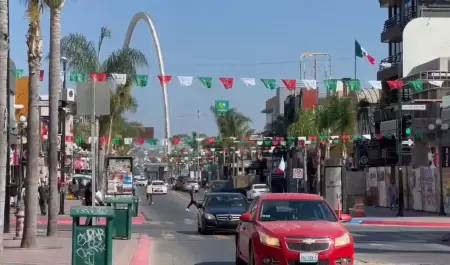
(84,56)
(34,44)
(232,123)
(54,87)
(4,47)
(363,117)
(343,115)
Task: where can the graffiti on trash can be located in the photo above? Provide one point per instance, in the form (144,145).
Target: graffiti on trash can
(92,210)
(89,243)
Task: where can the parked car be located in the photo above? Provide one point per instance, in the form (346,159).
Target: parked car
(220,212)
(159,187)
(257,190)
(293,228)
(191,184)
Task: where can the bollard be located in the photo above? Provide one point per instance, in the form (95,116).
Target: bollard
(20,218)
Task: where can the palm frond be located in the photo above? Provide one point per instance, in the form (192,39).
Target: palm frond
(80,53)
(54,4)
(125,61)
(105,33)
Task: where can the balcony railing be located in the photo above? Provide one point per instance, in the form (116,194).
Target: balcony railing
(410,13)
(391,61)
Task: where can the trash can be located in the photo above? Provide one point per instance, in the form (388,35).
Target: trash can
(135,208)
(122,207)
(92,244)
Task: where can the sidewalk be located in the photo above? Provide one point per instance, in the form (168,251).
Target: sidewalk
(66,219)
(380,216)
(125,252)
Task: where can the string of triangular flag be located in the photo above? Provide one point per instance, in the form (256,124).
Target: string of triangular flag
(265,141)
(228,82)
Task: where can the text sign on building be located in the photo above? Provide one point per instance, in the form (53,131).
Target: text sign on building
(414,107)
(445,156)
(445,102)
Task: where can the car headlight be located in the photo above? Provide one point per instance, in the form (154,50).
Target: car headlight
(342,240)
(268,240)
(209,216)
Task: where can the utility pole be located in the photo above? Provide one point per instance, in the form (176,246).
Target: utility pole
(198,146)
(94,141)
(62,152)
(303,75)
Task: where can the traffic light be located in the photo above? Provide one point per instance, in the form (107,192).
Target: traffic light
(407,125)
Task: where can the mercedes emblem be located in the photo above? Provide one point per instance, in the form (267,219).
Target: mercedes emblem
(230,217)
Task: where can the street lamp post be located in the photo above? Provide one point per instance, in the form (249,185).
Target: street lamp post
(438,130)
(22,125)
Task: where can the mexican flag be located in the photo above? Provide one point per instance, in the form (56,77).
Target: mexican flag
(361,52)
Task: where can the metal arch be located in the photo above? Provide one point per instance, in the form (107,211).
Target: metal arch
(144,16)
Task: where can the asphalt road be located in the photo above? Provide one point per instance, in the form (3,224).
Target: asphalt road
(174,237)
(175,241)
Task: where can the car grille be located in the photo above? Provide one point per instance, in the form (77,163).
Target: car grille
(228,217)
(314,247)
(297,262)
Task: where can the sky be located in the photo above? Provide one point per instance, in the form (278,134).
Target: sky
(234,38)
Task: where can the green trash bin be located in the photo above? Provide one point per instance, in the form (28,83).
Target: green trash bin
(122,216)
(92,244)
(135,206)
(135,209)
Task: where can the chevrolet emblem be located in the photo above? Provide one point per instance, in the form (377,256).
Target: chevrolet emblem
(308,241)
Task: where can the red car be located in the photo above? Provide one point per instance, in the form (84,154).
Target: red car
(293,229)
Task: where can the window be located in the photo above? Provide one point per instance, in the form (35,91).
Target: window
(296,210)
(260,186)
(157,183)
(227,201)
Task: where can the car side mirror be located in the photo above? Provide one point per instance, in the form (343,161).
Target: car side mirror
(246,217)
(345,218)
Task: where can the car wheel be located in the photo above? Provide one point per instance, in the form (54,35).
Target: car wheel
(239,261)
(251,259)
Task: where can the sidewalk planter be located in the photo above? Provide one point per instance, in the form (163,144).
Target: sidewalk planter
(135,209)
(122,207)
(92,244)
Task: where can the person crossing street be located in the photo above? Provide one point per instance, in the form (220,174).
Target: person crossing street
(192,202)
(149,191)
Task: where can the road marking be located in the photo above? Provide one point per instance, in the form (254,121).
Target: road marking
(181,196)
(221,237)
(196,237)
(167,235)
(357,235)
(170,223)
(154,222)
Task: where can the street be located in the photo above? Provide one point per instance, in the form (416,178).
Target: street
(174,238)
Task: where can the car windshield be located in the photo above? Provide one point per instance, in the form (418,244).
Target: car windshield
(227,201)
(222,186)
(157,183)
(296,210)
(191,181)
(260,187)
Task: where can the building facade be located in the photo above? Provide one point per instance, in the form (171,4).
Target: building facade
(416,51)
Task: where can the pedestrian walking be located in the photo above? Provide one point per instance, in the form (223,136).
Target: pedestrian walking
(393,194)
(149,191)
(192,202)
(42,198)
(134,187)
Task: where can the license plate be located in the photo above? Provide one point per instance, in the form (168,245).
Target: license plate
(309,257)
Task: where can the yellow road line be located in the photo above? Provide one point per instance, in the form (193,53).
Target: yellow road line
(221,237)
(197,237)
(181,196)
